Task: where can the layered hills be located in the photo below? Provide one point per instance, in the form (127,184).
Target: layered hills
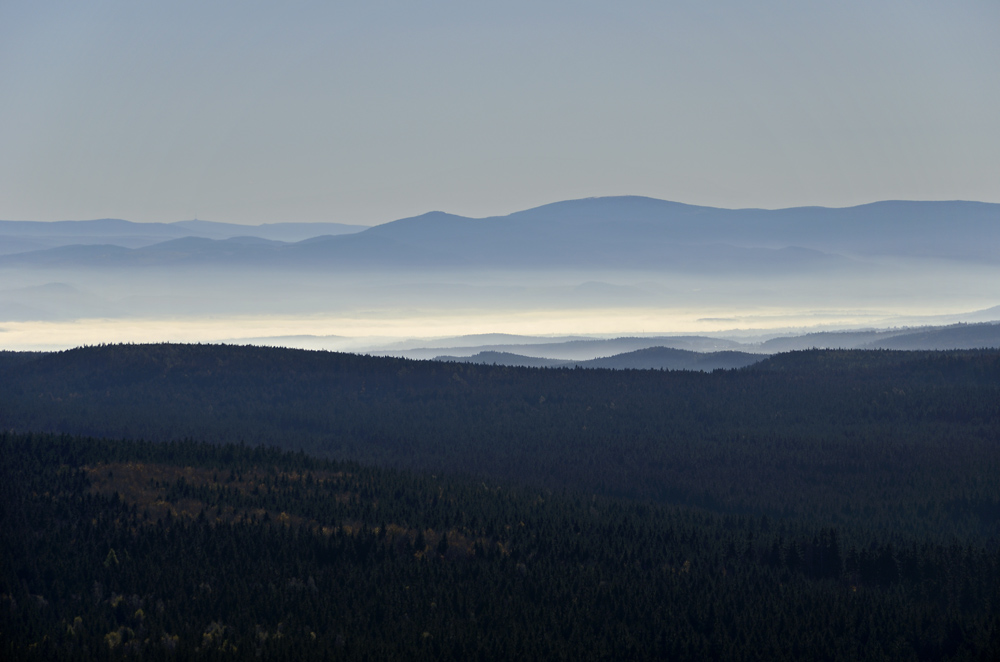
(708,353)
(592,267)
(25,236)
(616,232)
(650,358)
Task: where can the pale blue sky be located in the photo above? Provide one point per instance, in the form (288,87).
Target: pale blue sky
(365,112)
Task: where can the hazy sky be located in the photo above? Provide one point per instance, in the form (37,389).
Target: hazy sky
(364,112)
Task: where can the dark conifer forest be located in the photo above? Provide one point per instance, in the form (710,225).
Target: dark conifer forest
(223,502)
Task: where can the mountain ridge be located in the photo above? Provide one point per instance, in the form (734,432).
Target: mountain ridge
(619,232)
(23,236)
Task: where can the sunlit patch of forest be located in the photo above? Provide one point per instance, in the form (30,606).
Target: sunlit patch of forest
(244,496)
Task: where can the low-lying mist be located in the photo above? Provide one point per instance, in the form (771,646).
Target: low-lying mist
(355,310)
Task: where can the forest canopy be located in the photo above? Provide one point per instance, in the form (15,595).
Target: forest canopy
(165,501)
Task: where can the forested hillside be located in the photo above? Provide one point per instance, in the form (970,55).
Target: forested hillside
(127,550)
(903,441)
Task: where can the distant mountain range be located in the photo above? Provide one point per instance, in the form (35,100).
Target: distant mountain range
(955,336)
(653,352)
(574,350)
(650,358)
(624,263)
(26,236)
(705,353)
(596,233)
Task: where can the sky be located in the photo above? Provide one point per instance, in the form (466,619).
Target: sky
(254,112)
